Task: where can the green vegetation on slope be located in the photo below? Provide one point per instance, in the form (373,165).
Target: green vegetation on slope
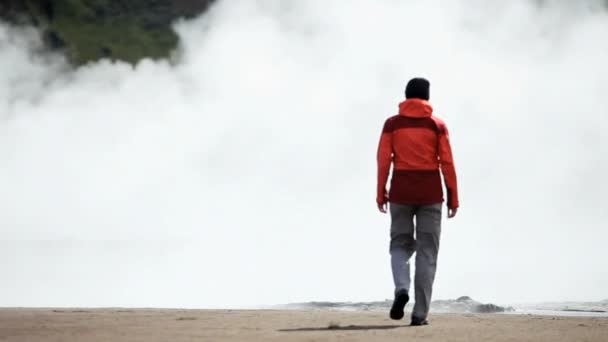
(88,30)
(92,34)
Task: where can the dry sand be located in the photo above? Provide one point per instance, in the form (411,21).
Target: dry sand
(118,325)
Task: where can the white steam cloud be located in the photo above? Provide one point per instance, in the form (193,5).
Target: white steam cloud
(244,172)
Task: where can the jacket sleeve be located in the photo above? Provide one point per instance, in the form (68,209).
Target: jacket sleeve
(448,169)
(384,157)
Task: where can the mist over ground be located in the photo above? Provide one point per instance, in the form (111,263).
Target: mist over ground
(243,172)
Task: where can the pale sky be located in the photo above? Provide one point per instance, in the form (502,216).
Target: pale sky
(243,172)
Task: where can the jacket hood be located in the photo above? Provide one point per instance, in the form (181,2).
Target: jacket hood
(415,108)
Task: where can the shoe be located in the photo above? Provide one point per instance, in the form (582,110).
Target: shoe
(418,322)
(401,298)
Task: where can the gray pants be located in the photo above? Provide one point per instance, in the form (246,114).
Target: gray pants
(425,243)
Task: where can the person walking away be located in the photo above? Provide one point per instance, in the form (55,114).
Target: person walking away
(417,146)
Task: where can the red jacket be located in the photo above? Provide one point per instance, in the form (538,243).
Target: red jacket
(417,144)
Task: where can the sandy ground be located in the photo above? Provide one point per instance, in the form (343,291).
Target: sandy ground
(118,325)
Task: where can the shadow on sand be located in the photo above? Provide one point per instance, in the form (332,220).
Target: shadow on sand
(349,327)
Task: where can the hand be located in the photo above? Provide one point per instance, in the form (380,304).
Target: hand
(382,202)
(452,213)
(383,207)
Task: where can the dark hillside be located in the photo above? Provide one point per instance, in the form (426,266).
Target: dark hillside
(118,29)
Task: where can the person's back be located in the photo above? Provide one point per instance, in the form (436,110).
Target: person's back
(417,145)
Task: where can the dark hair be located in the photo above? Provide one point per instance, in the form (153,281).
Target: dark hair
(418,88)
